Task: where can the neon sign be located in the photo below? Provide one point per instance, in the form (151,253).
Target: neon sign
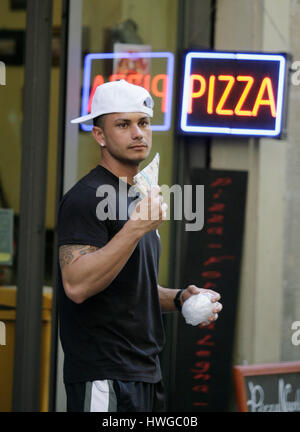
(159,85)
(233,94)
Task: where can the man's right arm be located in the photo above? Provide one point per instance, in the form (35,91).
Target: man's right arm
(86,270)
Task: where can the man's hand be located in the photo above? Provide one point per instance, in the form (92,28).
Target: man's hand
(192,290)
(150,212)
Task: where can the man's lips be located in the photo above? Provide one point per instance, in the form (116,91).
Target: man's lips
(138,147)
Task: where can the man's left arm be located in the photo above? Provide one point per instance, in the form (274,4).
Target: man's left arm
(167,295)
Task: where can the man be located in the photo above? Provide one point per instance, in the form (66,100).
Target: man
(110,302)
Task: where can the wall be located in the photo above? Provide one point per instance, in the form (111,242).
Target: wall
(291,229)
(268,301)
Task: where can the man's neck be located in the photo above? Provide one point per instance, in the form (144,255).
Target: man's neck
(121,170)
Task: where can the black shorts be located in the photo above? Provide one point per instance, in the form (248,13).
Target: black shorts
(115,396)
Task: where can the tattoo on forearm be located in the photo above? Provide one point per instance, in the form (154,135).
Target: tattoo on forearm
(66,252)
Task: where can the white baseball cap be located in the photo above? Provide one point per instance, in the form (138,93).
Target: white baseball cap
(118,97)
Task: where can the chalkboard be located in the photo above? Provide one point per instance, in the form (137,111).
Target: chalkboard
(273,387)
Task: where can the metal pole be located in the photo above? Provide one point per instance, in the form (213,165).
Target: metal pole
(59,191)
(26,386)
(66,165)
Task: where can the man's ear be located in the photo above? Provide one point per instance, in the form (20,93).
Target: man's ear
(97,133)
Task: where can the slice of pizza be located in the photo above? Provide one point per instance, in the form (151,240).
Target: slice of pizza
(148,177)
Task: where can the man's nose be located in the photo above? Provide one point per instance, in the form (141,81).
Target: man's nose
(136,132)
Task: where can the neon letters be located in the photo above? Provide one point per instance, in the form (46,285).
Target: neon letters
(157,85)
(233,93)
(261,100)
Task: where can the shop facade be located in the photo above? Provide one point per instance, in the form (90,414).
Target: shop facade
(43,155)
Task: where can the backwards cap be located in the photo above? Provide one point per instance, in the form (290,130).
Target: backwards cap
(118,97)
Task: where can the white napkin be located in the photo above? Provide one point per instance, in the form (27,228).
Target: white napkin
(147,178)
(197,308)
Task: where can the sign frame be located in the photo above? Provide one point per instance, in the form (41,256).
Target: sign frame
(112,56)
(242,371)
(278,132)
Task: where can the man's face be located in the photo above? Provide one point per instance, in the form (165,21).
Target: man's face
(127,136)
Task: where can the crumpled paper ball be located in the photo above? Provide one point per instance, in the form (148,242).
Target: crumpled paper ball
(197,308)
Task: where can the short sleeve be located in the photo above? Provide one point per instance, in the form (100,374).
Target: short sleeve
(77,219)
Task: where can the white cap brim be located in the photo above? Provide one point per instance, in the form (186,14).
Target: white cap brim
(84,118)
(88,117)
(118,97)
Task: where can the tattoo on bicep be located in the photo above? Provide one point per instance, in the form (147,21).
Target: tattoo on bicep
(66,252)
(87,250)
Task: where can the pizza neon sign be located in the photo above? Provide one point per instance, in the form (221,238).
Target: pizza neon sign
(160,85)
(233,94)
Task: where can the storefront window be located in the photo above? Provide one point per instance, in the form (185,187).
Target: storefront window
(12,56)
(133,26)
(12,75)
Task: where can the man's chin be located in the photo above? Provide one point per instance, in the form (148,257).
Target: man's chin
(138,158)
(133,158)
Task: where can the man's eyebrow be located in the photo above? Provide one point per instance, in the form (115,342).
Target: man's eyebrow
(130,120)
(121,119)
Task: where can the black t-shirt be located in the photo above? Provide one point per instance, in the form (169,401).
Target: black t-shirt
(118,333)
